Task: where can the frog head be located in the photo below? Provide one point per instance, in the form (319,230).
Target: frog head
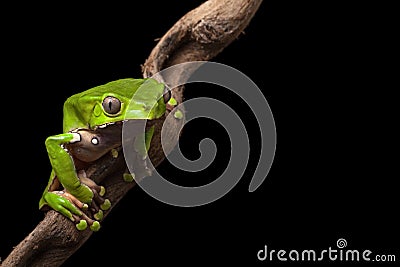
(123,99)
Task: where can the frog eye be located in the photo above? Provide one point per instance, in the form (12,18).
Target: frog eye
(111,105)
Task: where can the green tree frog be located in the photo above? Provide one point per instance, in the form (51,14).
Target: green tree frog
(91,128)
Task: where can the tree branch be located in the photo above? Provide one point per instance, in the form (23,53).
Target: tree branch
(199,35)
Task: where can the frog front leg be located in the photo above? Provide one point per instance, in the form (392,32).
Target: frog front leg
(76,195)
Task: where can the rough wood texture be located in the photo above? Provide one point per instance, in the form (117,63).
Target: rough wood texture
(198,36)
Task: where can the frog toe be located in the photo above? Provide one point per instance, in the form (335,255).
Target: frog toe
(106,204)
(85,221)
(95,226)
(58,202)
(102,191)
(98,189)
(82,225)
(99,215)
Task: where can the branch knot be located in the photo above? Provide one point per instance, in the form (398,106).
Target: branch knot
(211,30)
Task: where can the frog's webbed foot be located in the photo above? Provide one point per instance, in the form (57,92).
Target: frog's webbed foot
(82,219)
(83,214)
(72,208)
(99,203)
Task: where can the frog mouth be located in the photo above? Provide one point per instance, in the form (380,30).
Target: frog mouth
(106,125)
(132,128)
(93,144)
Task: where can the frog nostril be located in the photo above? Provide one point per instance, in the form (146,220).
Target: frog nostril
(95,141)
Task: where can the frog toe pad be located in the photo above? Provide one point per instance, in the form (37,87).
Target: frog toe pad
(106,205)
(95,226)
(99,215)
(82,225)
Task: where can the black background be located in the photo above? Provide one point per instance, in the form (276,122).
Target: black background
(323,66)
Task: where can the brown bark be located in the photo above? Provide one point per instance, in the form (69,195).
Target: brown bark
(199,35)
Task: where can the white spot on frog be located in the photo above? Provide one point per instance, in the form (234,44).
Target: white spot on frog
(95,141)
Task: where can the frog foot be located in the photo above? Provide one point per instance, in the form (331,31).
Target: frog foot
(99,203)
(83,220)
(72,208)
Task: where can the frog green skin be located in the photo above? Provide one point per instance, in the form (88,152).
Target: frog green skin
(90,130)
